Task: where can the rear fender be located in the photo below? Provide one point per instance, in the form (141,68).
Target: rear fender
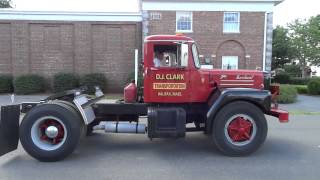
(9,128)
(261,98)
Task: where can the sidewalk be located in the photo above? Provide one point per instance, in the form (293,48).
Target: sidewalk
(5,99)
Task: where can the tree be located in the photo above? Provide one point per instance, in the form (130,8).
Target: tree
(314,32)
(281,48)
(5,4)
(305,40)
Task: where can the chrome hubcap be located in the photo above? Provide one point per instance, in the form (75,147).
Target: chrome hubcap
(52,131)
(49,133)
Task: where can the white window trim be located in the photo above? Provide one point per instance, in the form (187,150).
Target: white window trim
(235,32)
(229,57)
(184,31)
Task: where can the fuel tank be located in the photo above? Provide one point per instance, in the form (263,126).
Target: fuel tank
(130,93)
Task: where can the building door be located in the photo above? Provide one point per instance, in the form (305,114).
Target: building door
(230,62)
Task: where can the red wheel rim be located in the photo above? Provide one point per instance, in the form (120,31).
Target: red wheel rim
(49,133)
(240,129)
(47,123)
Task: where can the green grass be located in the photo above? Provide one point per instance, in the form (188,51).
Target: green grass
(303,113)
(110,96)
(301,89)
(113,96)
(288,94)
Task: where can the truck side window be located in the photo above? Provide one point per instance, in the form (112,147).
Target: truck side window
(167,56)
(196,56)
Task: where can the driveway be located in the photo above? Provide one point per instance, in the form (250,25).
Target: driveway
(5,99)
(291,151)
(303,105)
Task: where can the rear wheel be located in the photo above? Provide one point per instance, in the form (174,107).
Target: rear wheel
(239,129)
(50,132)
(75,109)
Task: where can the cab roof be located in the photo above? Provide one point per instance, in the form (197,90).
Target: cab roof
(168,38)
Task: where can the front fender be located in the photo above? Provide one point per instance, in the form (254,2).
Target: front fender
(261,98)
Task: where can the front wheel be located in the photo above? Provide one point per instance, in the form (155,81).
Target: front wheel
(50,132)
(239,129)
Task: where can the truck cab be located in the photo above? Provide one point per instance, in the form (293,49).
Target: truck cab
(180,78)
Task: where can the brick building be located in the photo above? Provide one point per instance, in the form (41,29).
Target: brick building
(46,43)
(231,34)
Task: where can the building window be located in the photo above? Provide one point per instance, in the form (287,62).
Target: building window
(184,21)
(155,16)
(229,62)
(231,22)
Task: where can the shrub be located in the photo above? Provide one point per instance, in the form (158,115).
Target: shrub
(282,78)
(131,77)
(29,84)
(288,94)
(301,89)
(299,81)
(6,84)
(314,86)
(293,70)
(65,81)
(92,80)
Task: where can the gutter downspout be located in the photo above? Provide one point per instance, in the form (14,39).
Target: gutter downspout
(264,42)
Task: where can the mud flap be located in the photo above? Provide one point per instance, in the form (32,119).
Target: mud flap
(9,128)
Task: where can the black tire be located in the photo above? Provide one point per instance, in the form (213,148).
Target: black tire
(68,117)
(75,109)
(221,136)
(86,130)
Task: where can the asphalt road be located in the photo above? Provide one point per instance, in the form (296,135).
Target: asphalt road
(291,151)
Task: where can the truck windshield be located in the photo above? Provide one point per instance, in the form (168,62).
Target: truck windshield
(195,56)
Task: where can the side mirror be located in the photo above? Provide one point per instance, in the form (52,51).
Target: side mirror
(184,55)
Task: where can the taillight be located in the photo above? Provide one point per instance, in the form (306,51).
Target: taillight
(275,89)
(275,92)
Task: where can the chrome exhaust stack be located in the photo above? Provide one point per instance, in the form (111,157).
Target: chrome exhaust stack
(120,127)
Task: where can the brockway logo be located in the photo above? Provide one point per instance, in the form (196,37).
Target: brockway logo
(223,76)
(244,77)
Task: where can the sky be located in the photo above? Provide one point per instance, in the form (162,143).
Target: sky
(289,10)
(284,13)
(78,5)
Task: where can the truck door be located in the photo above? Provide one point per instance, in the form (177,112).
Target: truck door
(167,78)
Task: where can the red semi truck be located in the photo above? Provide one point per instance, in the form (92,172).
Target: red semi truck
(227,105)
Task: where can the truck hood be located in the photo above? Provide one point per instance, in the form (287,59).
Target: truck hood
(236,78)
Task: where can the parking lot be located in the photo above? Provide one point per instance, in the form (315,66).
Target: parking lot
(291,151)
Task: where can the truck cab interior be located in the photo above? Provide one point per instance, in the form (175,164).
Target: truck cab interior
(171,55)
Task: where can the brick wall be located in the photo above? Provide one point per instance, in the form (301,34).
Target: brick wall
(48,47)
(208,33)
